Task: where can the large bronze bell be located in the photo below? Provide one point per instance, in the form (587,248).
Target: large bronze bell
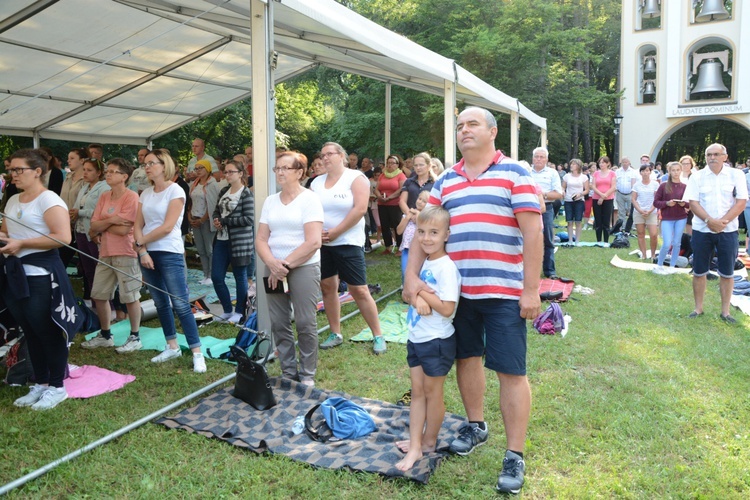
(712,10)
(709,78)
(651,9)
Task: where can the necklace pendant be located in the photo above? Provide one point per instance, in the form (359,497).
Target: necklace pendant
(19,214)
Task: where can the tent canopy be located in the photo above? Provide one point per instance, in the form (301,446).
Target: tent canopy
(129,71)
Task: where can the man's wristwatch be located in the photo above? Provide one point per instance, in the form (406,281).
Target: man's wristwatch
(138,244)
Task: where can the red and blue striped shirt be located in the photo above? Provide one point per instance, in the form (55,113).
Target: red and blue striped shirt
(485,241)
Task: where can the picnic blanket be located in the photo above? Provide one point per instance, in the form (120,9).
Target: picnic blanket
(88,381)
(207,291)
(599,244)
(224,417)
(548,285)
(392,324)
(153,339)
(643,266)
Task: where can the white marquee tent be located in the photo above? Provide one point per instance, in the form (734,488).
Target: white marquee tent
(129,71)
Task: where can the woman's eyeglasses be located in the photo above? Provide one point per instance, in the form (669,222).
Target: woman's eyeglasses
(19,170)
(283,169)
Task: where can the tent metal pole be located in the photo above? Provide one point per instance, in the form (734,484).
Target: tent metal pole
(106,439)
(387,131)
(354,313)
(449,122)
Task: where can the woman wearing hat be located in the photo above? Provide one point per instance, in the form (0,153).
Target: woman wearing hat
(204,194)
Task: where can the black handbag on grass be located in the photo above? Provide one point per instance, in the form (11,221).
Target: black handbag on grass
(252,384)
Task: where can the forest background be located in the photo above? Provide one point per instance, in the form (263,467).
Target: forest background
(560,58)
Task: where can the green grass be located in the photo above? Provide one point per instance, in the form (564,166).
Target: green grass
(636,401)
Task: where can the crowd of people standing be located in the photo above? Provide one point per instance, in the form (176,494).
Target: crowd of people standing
(314,234)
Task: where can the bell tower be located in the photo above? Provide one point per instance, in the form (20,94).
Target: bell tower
(681,61)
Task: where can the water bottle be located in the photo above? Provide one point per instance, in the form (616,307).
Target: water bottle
(299,425)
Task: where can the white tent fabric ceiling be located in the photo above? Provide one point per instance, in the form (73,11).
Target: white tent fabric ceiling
(129,71)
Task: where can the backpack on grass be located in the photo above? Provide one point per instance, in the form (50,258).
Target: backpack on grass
(247,340)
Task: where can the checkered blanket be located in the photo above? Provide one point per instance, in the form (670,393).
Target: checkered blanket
(224,417)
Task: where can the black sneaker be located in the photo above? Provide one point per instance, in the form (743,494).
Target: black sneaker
(469,437)
(405,400)
(511,478)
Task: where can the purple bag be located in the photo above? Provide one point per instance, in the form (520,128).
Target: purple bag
(551,321)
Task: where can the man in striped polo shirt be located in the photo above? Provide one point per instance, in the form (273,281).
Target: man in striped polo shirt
(497,244)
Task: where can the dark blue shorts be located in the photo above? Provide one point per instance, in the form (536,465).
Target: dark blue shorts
(434,356)
(726,246)
(346,261)
(574,210)
(492,328)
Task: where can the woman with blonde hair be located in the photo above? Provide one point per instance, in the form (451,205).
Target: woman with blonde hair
(343,194)
(423,180)
(158,241)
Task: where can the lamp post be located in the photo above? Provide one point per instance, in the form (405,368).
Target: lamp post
(617,120)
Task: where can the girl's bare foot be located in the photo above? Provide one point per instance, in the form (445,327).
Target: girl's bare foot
(408,461)
(405,446)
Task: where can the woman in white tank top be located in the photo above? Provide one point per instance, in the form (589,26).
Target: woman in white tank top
(344,194)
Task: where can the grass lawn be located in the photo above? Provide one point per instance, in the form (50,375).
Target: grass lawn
(636,401)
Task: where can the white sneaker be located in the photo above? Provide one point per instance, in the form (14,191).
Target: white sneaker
(132,344)
(206,281)
(166,355)
(35,392)
(52,397)
(659,270)
(199,363)
(234,318)
(97,342)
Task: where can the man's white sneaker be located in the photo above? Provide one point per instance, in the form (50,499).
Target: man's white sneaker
(52,397)
(166,355)
(199,363)
(35,392)
(132,344)
(206,281)
(97,342)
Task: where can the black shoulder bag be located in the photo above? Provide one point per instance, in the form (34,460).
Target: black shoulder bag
(252,384)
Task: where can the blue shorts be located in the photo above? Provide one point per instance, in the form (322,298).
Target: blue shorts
(346,261)
(574,210)
(492,328)
(435,356)
(726,246)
